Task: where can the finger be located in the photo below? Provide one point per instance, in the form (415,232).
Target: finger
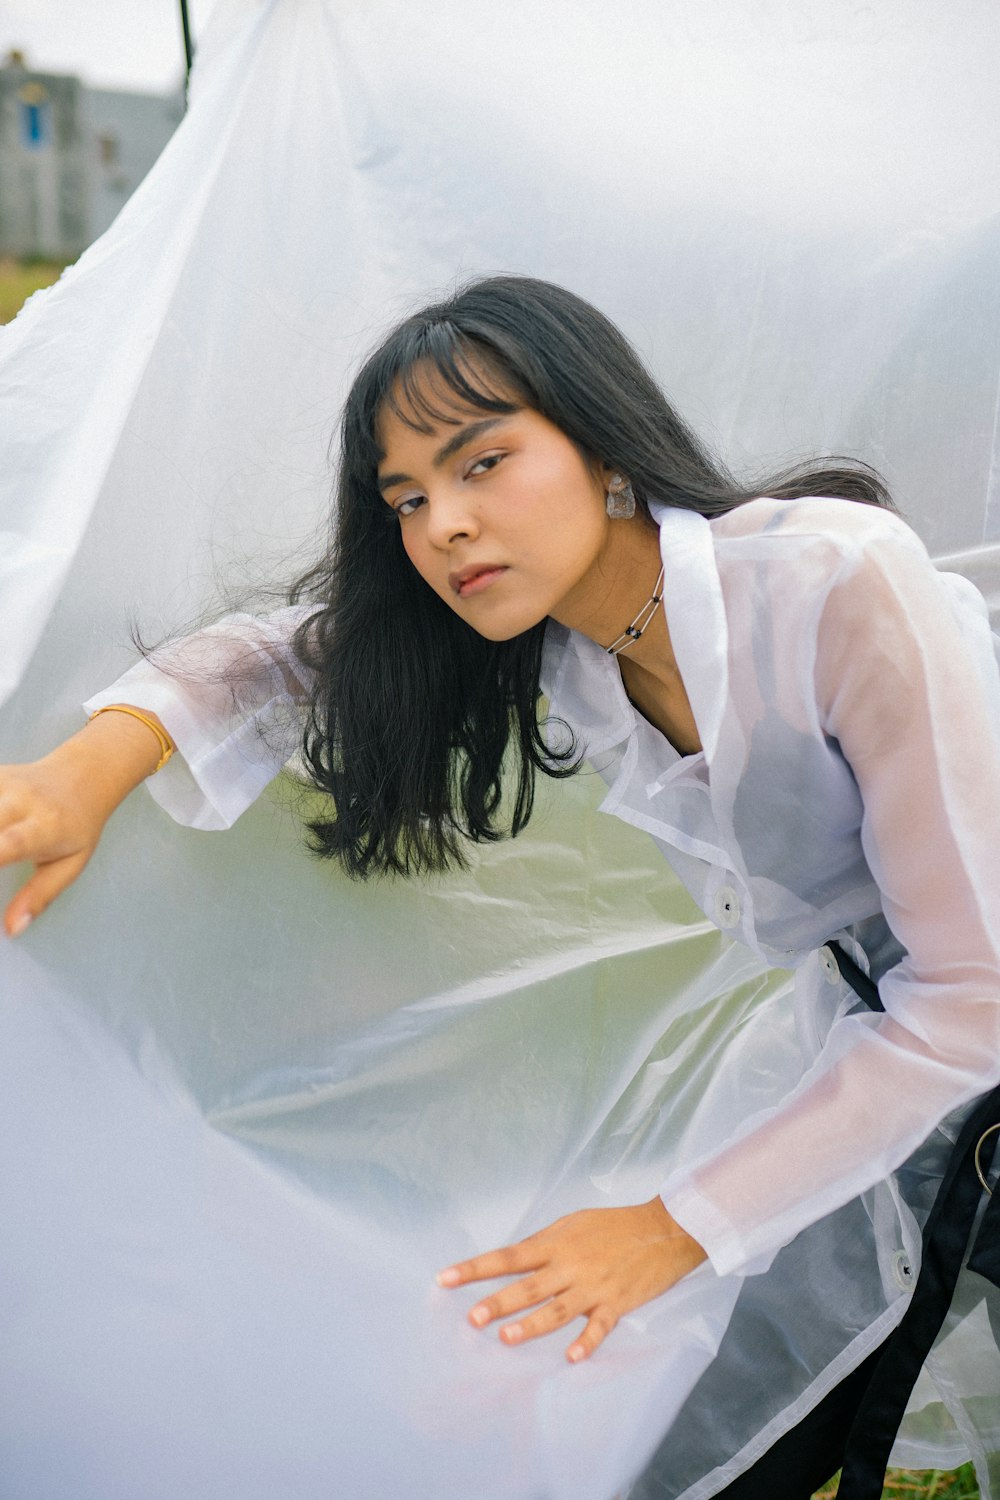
(524,1256)
(15,840)
(11,804)
(599,1325)
(26,833)
(514,1298)
(555,1314)
(36,894)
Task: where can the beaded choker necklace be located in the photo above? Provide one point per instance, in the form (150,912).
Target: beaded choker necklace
(632,632)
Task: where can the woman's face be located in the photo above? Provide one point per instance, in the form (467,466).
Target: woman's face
(499,513)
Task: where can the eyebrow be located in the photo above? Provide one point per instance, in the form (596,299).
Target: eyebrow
(464,435)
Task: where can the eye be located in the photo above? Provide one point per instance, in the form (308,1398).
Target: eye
(485,464)
(408,505)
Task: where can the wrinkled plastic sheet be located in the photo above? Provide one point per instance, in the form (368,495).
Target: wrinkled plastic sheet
(246,1108)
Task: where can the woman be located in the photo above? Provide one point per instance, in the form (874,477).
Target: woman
(776,684)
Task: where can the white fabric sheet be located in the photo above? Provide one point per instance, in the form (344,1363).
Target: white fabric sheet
(247,1108)
(838,682)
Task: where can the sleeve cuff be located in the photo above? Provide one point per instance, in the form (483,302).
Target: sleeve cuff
(208,786)
(717,1235)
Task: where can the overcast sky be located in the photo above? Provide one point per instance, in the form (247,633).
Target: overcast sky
(122,44)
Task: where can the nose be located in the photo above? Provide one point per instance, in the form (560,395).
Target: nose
(451,517)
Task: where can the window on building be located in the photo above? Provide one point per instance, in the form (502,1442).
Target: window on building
(34,108)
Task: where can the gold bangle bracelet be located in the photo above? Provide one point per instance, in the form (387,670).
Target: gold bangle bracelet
(167,746)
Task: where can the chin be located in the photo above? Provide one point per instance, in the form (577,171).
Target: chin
(497,635)
(501,630)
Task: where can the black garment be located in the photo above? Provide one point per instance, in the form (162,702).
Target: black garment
(810,1454)
(945,1240)
(855,1426)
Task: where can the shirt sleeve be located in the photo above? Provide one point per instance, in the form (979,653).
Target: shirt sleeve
(232,699)
(915,709)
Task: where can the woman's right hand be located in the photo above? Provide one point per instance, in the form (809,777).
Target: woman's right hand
(53,811)
(41,820)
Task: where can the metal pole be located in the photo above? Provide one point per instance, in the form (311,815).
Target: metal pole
(188,48)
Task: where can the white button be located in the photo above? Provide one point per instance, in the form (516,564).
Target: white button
(902,1270)
(829,965)
(727,907)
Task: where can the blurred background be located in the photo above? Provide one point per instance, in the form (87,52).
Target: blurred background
(89,97)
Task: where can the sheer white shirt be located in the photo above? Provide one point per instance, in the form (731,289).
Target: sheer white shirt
(848,705)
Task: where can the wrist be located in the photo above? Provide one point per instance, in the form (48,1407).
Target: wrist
(106,759)
(683,1245)
(148,721)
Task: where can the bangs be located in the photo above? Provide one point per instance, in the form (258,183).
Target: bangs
(441,375)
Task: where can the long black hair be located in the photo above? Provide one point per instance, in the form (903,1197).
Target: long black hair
(424,733)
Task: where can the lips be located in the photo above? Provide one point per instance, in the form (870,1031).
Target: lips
(475,578)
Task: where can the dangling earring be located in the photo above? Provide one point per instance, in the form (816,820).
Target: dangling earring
(621,499)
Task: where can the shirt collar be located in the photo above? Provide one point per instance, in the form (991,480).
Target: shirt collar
(696,615)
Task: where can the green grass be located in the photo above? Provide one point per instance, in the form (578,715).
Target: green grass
(922,1484)
(18,279)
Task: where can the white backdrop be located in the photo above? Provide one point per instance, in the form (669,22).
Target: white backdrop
(247,1109)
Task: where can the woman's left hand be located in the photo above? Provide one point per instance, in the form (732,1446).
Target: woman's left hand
(599,1264)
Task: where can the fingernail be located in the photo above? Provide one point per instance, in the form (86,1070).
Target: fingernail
(479,1316)
(576,1353)
(513,1333)
(19,926)
(447,1278)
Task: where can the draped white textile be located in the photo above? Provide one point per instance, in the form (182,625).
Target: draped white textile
(247,1108)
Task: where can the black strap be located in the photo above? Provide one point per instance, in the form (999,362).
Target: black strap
(985,1257)
(945,1237)
(866,989)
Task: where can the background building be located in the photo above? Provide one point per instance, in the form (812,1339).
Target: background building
(70,156)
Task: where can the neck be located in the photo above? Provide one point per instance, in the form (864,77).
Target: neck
(607,600)
(616,589)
